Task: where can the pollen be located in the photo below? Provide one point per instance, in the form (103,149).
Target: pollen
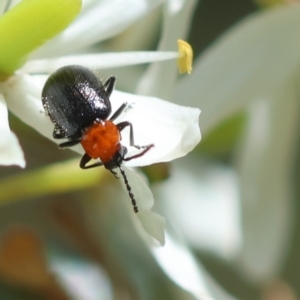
(102,140)
(185,60)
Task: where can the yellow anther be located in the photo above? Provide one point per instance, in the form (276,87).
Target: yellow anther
(185,59)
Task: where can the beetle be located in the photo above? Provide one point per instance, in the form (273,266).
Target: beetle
(78,104)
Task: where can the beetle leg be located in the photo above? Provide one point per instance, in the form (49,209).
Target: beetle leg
(109,85)
(69,143)
(115,174)
(85,159)
(124,124)
(146,149)
(118,111)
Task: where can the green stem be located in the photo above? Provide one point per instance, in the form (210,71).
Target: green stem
(58,178)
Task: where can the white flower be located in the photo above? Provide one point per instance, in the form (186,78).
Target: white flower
(173,129)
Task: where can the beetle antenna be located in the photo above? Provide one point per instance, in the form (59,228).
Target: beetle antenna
(128,187)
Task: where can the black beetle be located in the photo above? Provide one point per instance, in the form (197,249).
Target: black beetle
(78,104)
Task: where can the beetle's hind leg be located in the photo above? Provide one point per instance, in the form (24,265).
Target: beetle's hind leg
(124,124)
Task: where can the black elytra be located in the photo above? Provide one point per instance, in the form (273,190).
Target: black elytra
(78,104)
(74,98)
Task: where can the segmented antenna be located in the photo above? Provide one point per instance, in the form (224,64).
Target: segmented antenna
(135,208)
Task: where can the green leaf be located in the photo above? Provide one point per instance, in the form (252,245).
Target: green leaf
(30,24)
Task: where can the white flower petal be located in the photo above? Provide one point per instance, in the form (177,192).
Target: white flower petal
(141,190)
(97,61)
(99,20)
(250,61)
(173,129)
(181,266)
(134,37)
(159,79)
(114,195)
(23,96)
(153,224)
(10,150)
(266,167)
(202,200)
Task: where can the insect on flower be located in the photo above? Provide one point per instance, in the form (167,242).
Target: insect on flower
(78,105)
